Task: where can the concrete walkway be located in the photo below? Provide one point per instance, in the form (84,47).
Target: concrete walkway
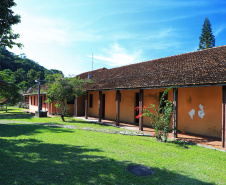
(208,142)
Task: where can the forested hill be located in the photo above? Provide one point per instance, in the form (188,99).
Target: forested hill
(22,71)
(10,61)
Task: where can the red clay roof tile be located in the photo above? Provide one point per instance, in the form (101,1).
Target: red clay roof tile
(194,68)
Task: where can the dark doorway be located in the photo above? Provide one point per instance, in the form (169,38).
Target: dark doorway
(103,106)
(137,110)
(90,101)
(163,104)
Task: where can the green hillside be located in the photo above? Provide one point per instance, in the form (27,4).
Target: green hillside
(22,71)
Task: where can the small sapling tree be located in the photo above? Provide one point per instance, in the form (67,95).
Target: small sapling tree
(63,90)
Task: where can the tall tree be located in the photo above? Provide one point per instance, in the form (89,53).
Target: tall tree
(207,39)
(32,75)
(9,91)
(7,19)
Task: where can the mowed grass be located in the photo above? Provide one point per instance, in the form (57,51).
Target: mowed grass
(37,154)
(16,115)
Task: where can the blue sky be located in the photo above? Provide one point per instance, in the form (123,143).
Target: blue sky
(63,34)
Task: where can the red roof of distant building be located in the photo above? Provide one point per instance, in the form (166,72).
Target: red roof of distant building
(91,73)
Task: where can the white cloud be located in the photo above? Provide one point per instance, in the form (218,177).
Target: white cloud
(118,56)
(41,29)
(161,34)
(218,30)
(47,30)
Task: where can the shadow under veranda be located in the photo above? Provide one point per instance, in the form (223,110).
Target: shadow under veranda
(32,161)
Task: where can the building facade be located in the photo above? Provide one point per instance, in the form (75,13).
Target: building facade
(198,81)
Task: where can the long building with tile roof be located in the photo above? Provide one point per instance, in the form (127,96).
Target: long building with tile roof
(198,81)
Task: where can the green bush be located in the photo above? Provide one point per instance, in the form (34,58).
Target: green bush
(161,117)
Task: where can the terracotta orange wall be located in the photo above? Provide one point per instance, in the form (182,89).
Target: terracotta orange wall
(32,107)
(45,106)
(51,108)
(81,105)
(127,105)
(188,98)
(151,96)
(93,112)
(35,107)
(70,110)
(26,99)
(110,104)
(211,100)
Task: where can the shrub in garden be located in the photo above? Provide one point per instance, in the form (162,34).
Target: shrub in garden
(160,118)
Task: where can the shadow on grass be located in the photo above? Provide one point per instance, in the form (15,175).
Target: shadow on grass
(16,115)
(12,110)
(79,121)
(74,120)
(181,144)
(30,161)
(14,130)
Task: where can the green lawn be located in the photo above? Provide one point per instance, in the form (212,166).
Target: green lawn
(16,115)
(37,154)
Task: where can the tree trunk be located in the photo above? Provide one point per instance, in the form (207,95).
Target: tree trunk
(62,117)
